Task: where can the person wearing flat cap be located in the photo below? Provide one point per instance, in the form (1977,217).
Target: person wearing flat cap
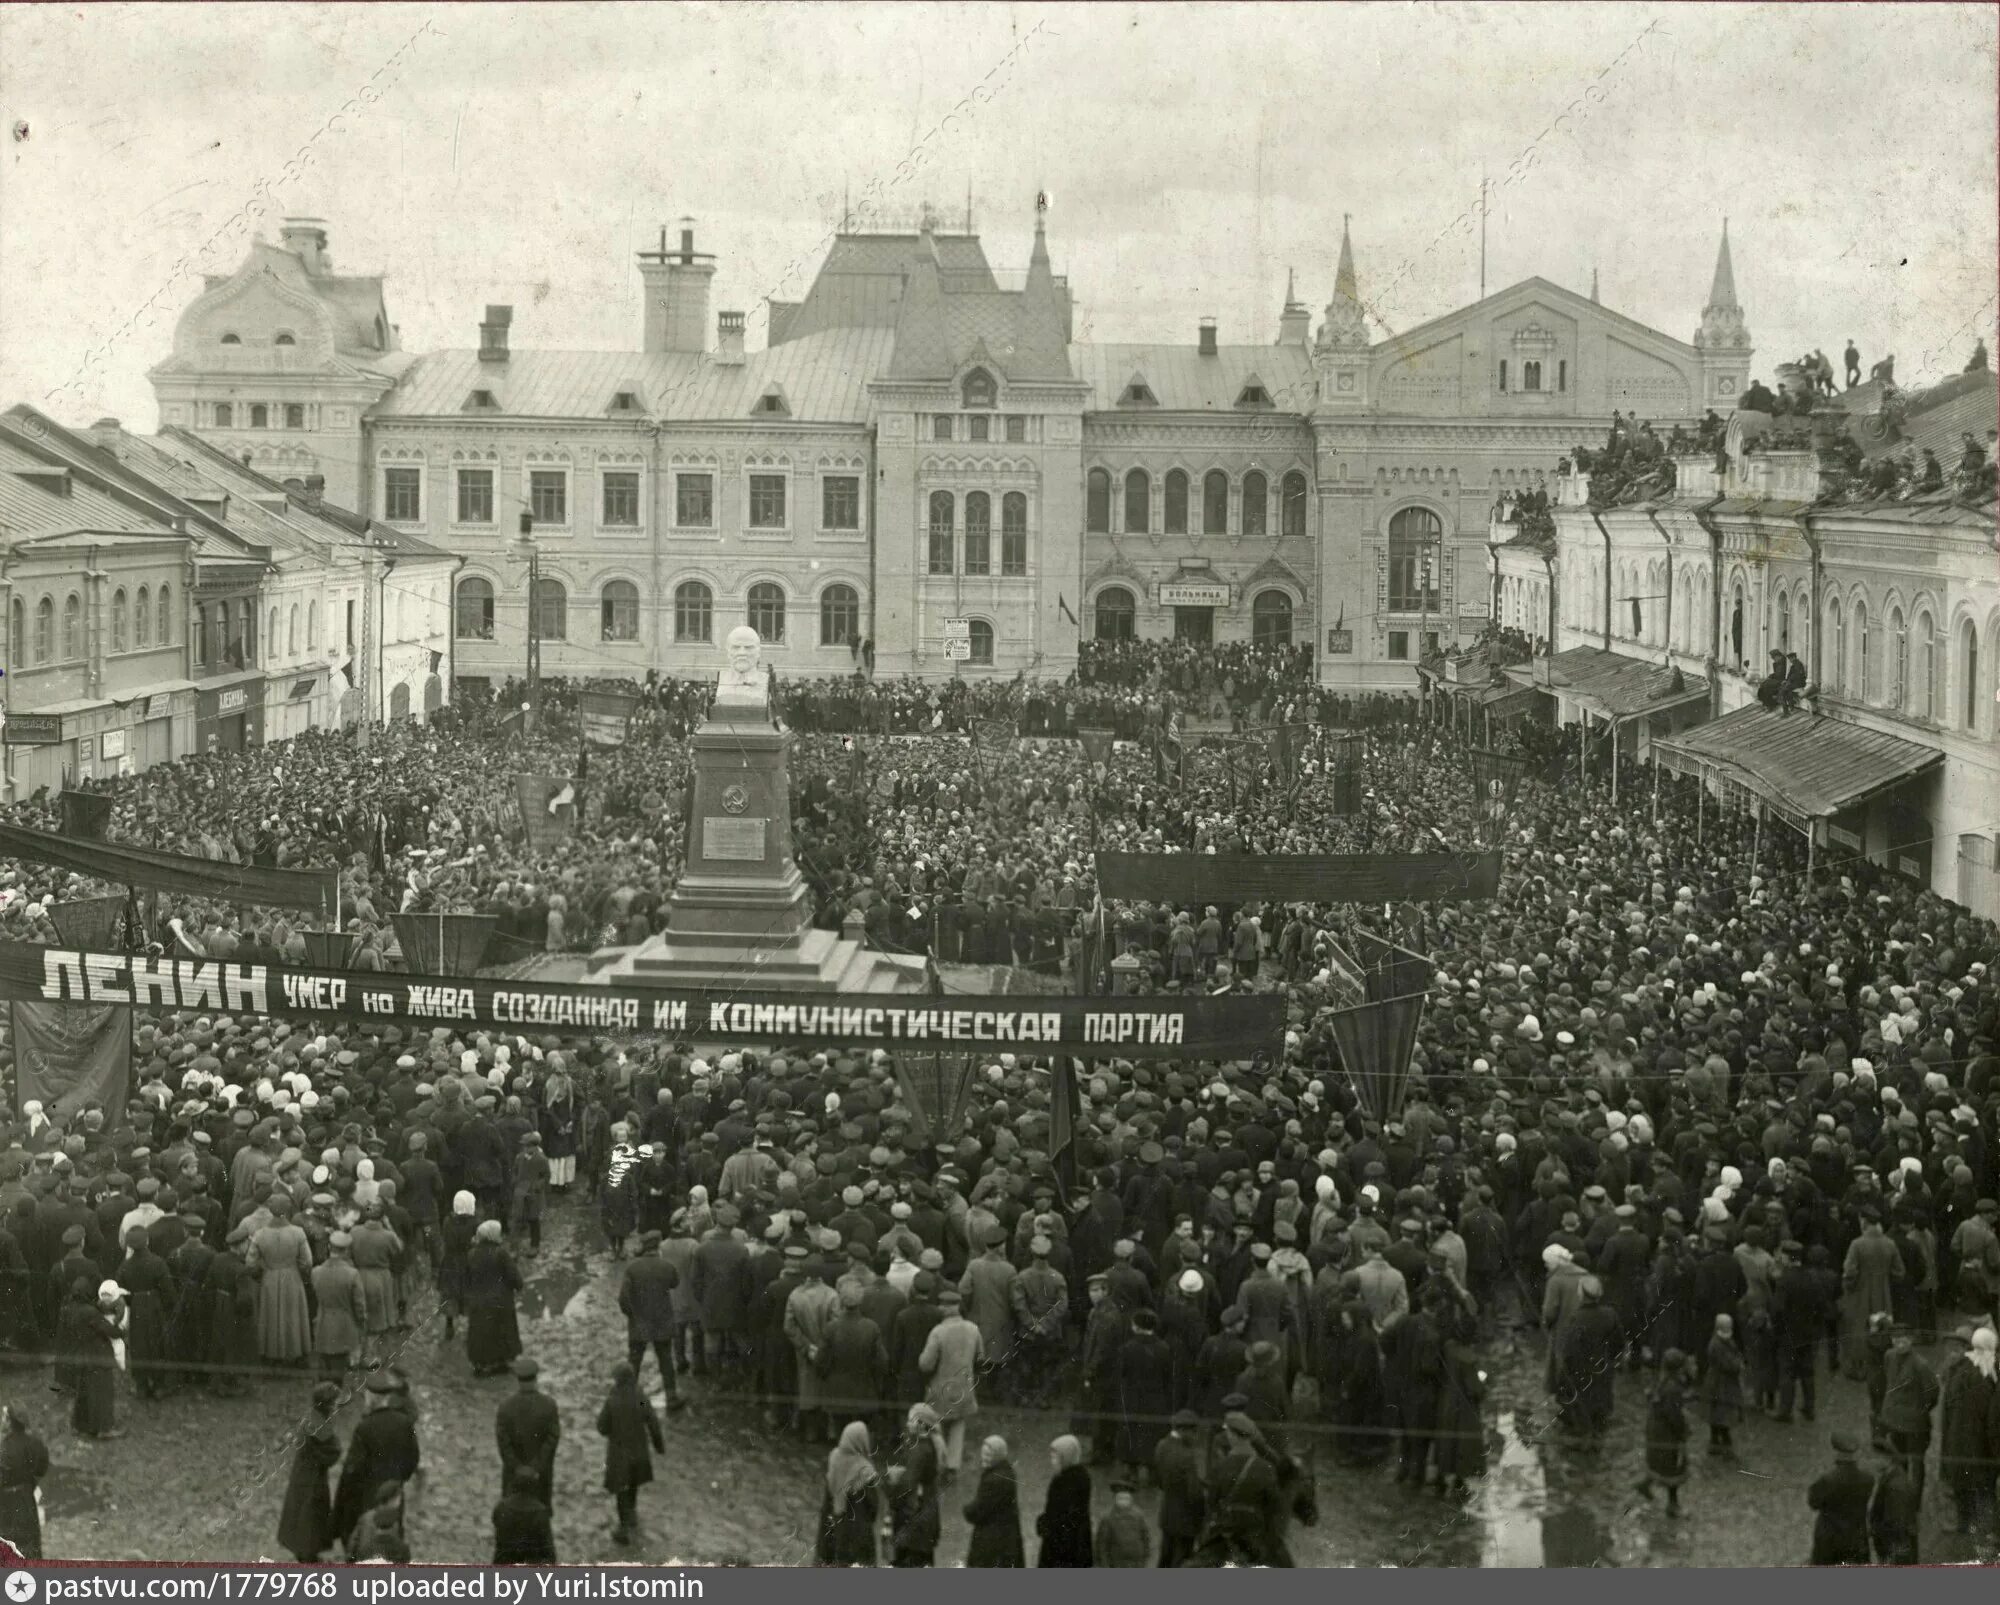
(383,1451)
(1039,1298)
(527,1427)
(1838,1499)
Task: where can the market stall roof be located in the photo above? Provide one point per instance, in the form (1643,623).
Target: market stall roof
(1610,684)
(1805,763)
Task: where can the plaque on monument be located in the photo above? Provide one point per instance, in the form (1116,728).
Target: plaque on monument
(724,838)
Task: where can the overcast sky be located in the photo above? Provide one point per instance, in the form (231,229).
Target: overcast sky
(1192,154)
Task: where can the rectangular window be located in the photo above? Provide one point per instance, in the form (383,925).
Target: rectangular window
(767,501)
(1562,374)
(975,426)
(402,495)
(350,626)
(941,427)
(978,534)
(548,496)
(694,501)
(1531,375)
(260,415)
(1399,646)
(225,415)
(1014,534)
(840,502)
(621,498)
(1503,376)
(295,415)
(1017,428)
(475,495)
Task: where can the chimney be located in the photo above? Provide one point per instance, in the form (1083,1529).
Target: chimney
(305,238)
(729,338)
(493,334)
(105,433)
(676,283)
(315,486)
(1206,342)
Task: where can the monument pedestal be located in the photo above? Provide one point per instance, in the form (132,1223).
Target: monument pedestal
(741,915)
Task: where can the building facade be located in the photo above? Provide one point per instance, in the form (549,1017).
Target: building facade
(928,462)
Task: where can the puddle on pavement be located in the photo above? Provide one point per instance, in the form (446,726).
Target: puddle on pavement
(561,1292)
(1522,1530)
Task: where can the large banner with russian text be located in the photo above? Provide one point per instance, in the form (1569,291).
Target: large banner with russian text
(1222,1027)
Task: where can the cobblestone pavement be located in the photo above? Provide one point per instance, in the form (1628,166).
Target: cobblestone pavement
(201,1478)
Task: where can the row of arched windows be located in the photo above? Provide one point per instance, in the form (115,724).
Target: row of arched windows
(138,619)
(1116,614)
(945,554)
(766,610)
(1894,661)
(291,635)
(1135,508)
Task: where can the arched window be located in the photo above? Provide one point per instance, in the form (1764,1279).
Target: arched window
(840,614)
(694,612)
(225,415)
(232,340)
(1097,502)
(199,617)
(45,630)
(1864,683)
(980,635)
(246,624)
(163,615)
(1968,667)
(767,610)
(271,636)
(1271,619)
(1781,622)
(118,607)
(292,631)
(978,533)
(1927,668)
(283,339)
(17,631)
(979,388)
(1802,622)
(1215,503)
(1834,657)
(1014,533)
(1256,504)
(1138,502)
(1736,623)
(1175,509)
(312,626)
(552,611)
(943,514)
(260,415)
(1116,614)
(1413,533)
(142,617)
(1292,513)
(72,636)
(1899,660)
(618,610)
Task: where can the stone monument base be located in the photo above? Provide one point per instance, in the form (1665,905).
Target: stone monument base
(810,960)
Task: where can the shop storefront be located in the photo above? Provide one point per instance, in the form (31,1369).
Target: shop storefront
(289,704)
(1193,603)
(39,752)
(229,718)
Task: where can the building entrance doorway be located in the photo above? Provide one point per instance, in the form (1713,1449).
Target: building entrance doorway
(1196,624)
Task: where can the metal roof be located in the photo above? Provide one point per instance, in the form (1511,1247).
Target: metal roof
(30,508)
(1807,763)
(1611,683)
(1183,380)
(823,378)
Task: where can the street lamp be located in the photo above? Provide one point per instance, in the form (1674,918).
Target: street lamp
(528,552)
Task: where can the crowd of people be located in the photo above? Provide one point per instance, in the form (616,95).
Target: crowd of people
(1722,1132)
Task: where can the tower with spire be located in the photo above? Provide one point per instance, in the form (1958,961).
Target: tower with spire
(1295,322)
(1341,352)
(1723,338)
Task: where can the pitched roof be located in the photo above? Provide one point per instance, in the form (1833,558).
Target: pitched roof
(354,300)
(860,284)
(1183,380)
(31,508)
(823,377)
(1805,763)
(945,320)
(1612,683)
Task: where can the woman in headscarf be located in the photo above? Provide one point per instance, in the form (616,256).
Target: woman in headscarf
(914,1522)
(847,1511)
(24,1462)
(1969,1429)
(995,1512)
(455,1243)
(700,1217)
(559,1125)
(1064,1524)
(631,1433)
(1667,1431)
(379,1534)
(305,1523)
(492,1328)
(281,1260)
(92,1324)
(366,1188)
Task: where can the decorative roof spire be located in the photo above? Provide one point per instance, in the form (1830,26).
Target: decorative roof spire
(1722,319)
(1346,325)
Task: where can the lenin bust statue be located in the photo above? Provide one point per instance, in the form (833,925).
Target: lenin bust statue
(746,680)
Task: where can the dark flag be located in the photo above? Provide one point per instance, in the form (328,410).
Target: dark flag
(1375,1043)
(1097,744)
(606,716)
(543,815)
(938,1086)
(1062,606)
(67,1055)
(1390,970)
(443,944)
(86,814)
(329,950)
(1496,777)
(1063,1105)
(90,922)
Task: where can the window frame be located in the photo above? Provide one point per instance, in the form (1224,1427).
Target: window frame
(980,640)
(1398,647)
(978,427)
(618,615)
(1014,535)
(399,477)
(765,483)
(1097,502)
(1214,480)
(839,615)
(119,605)
(462,479)
(1174,486)
(1290,527)
(940,533)
(1259,613)
(623,477)
(1256,495)
(260,415)
(544,478)
(1128,611)
(142,622)
(224,414)
(977,552)
(1017,428)
(769,597)
(848,483)
(1136,502)
(706,479)
(483,606)
(295,409)
(694,598)
(550,600)
(1414,592)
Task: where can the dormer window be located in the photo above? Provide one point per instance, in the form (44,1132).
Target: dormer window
(283,340)
(482,401)
(1138,394)
(232,339)
(624,401)
(979,389)
(1254,395)
(772,404)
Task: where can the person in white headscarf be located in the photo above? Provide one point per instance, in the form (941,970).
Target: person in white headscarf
(458,1231)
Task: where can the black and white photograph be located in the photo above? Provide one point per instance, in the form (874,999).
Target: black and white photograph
(999,785)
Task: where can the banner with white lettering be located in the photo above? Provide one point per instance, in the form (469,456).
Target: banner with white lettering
(1225,1027)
